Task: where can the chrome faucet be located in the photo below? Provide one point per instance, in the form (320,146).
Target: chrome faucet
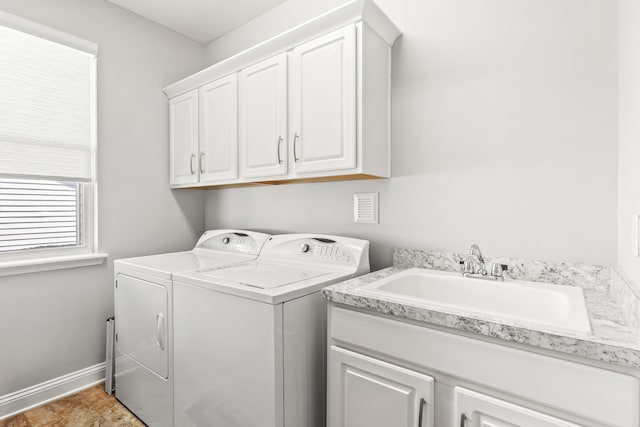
(475,266)
(477,260)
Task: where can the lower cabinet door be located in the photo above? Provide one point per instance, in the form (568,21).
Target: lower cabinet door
(473,409)
(366,392)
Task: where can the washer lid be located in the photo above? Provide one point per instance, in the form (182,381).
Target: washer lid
(163,265)
(215,249)
(266,275)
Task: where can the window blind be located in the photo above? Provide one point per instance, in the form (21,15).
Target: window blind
(38,214)
(46,106)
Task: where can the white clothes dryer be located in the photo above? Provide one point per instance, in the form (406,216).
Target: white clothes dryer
(143,316)
(250,340)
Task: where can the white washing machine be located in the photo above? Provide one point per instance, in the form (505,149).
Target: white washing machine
(250,340)
(143,310)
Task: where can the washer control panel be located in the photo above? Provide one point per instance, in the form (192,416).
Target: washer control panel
(324,250)
(316,250)
(230,242)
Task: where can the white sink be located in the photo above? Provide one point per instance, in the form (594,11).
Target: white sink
(552,307)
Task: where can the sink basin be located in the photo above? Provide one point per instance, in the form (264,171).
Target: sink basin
(527,304)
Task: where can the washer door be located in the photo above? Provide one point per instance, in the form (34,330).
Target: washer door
(142,323)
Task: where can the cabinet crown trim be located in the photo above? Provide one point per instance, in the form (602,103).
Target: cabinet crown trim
(354,11)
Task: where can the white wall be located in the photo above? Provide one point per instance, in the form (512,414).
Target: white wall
(629,134)
(504,133)
(52,323)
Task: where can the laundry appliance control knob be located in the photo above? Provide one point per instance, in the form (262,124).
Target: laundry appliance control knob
(304,248)
(226,240)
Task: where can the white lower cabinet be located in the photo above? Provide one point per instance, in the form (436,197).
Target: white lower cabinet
(473,409)
(366,392)
(384,372)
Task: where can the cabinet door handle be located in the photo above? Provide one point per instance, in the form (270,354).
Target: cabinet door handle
(421,411)
(193,157)
(278,149)
(201,163)
(463,420)
(295,156)
(160,330)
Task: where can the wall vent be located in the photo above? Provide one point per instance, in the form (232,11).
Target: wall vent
(365,208)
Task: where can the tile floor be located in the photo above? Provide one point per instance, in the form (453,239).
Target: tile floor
(89,408)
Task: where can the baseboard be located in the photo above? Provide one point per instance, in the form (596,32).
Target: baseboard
(39,394)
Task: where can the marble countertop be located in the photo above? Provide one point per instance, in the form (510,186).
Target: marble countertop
(612,306)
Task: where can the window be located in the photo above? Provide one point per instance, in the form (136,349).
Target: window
(47,143)
(38,214)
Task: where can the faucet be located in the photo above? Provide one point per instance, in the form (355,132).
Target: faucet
(475,266)
(476,261)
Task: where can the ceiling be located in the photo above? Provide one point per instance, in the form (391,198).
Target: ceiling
(200,20)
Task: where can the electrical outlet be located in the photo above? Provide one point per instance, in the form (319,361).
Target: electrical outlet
(635,237)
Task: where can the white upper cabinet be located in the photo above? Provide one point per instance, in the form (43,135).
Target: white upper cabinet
(218,154)
(183,138)
(312,104)
(263,119)
(323,107)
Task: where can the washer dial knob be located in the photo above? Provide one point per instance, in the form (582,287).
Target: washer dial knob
(304,248)
(225,240)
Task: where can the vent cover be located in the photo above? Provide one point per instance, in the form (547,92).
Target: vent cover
(365,208)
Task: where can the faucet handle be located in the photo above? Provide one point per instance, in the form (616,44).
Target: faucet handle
(467,266)
(498,269)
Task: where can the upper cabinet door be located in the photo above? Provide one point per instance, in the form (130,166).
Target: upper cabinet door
(323,110)
(479,410)
(366,392)
(218,156)
(263,118)
(183,138)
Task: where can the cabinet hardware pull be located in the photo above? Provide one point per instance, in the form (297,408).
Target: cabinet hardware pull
(201,163)
(278,149)
(159,330)
(420,412)
(463,420)
(295,156)
(193,156)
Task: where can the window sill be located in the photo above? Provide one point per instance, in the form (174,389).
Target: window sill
(8,268)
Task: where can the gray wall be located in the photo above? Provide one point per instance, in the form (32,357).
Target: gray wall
(629,134)
(52,323)
(504,133)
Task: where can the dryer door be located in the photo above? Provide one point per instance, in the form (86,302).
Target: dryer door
(142,322)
